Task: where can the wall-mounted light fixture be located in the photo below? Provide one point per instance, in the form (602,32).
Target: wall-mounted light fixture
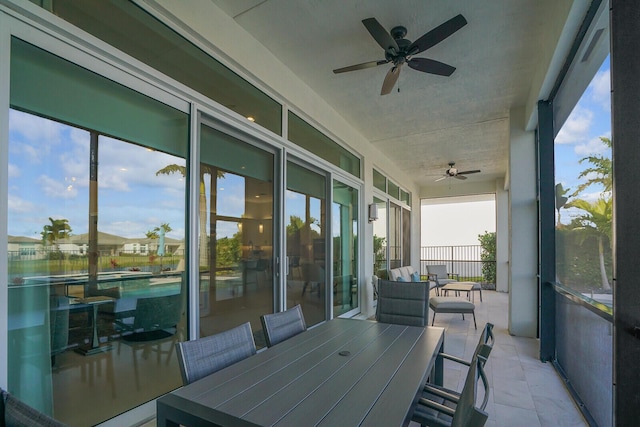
(260,228)
(373,212)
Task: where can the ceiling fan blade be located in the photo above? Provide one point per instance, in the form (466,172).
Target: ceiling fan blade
(459,176)
(430,66)
(438,34)
(381,35)
(441,178)
(362,66)
(390,80)
(468,172)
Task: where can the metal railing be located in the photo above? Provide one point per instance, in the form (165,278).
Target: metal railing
(43,262)
(464,260)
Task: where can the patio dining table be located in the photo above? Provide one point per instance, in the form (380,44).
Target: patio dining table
(343,372)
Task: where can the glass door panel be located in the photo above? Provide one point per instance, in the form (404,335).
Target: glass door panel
(380,240)
(236,233)
(344,214)
(395,236)
(305,223)
(96,218)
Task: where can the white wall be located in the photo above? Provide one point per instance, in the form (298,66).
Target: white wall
(523,233)
(502,237)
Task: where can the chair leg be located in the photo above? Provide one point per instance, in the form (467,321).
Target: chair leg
(474,320)
(434,318)
(480,294)
(462,316)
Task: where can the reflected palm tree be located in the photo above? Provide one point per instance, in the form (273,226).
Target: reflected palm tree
(211,171)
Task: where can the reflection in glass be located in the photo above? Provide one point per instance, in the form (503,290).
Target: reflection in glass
(345,243)
(584,201)
(236,234)
(310,138)
(395,236)
(96,270)
(380,239)
(157,45)
(406,237)
(305,227)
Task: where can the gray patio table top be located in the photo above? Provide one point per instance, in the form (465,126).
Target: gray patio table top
(343,372)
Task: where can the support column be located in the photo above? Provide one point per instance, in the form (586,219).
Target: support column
(547,250)
(523,233)
(502,237)
(625,106)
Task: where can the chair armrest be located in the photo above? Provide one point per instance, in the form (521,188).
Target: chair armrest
(444,394)
(455,276)
(454,358)
(436,406)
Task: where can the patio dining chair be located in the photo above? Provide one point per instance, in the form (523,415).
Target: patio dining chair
(403,303)
(14,412)
(483,349)
(458,410)
(207,355)
(281,326)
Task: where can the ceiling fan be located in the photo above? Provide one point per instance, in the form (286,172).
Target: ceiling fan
(453,172)
(400,51)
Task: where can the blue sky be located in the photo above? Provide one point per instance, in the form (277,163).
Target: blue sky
(580,135)
(49,177)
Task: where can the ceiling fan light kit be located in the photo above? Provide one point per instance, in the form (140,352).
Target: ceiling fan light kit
(400,51)
(453,172)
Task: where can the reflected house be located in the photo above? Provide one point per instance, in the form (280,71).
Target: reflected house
(24,248)
(112,245)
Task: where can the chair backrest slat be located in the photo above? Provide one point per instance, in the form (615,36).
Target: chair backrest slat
(403,303)
(278,327)
(467,414)
(15,412)
(207,355)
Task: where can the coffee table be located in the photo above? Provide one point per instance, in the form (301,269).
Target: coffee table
(458,287)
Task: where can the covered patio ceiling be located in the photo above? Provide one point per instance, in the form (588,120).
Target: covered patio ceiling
(502,59)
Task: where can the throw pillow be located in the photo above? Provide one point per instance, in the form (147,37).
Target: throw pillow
(401,279)
(415,277)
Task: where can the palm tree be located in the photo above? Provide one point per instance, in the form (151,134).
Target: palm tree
(202,203)
(154,232)
(600,171)
(596,222)
(58,229)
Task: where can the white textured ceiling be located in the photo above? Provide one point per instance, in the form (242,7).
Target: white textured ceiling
(431,120)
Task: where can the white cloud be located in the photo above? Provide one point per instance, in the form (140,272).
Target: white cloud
(601,89)
(14,171)
(591,147)
(55,189)
(20,206)
(33,136)
(577,126)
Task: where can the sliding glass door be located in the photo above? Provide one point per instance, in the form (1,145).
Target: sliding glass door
(96,218)
(305,225)
(236,235)
(344,221)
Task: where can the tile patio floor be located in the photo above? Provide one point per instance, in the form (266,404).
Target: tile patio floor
(524,391)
